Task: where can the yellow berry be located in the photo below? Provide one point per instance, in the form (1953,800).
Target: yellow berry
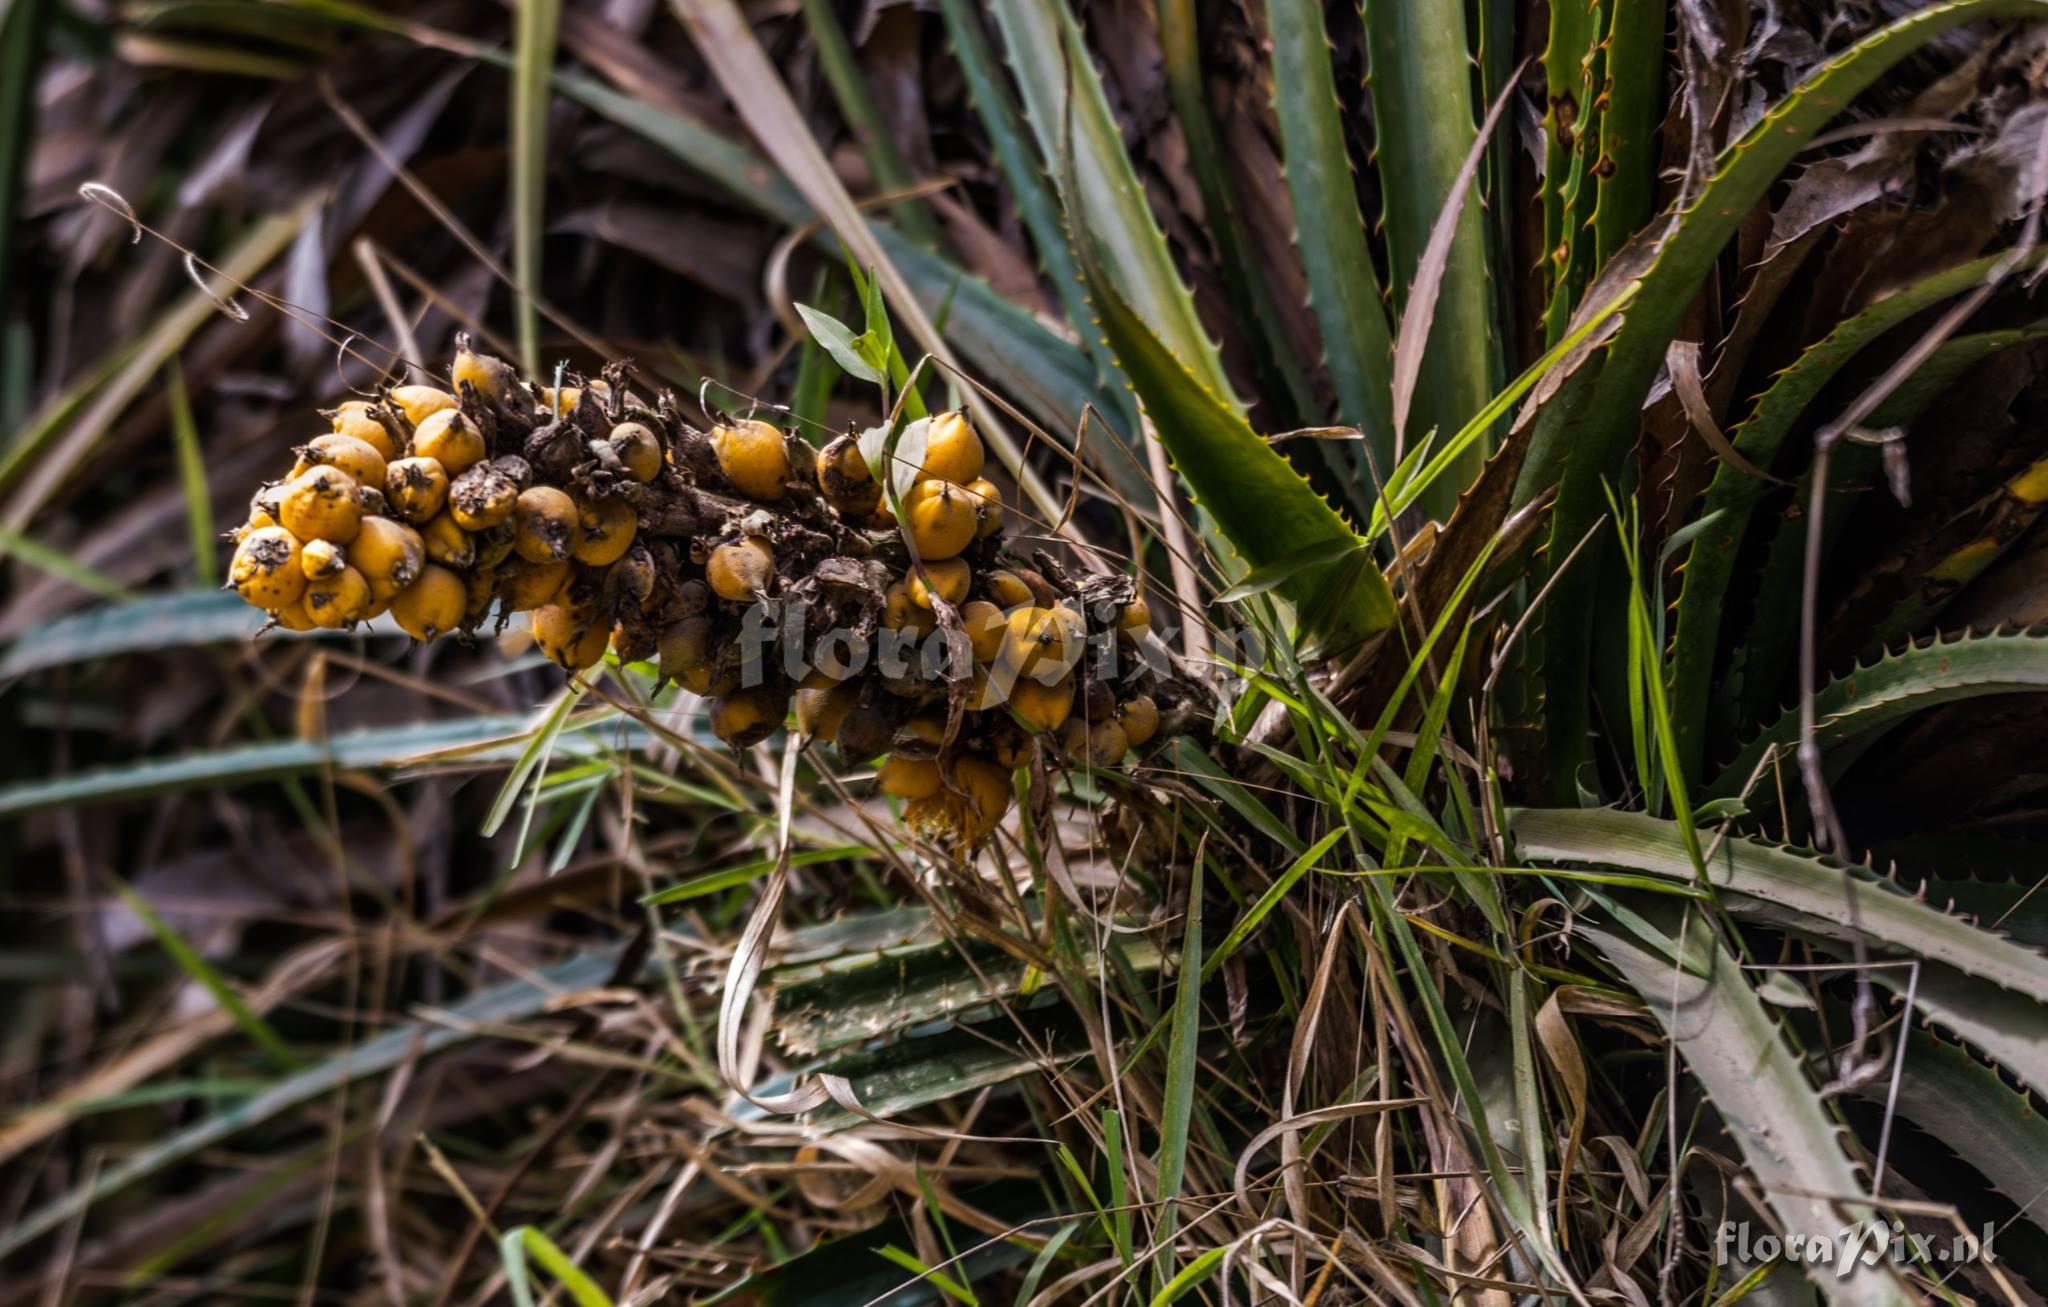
(432,605)
(910,778)
(685,646)
(482,497)
(820,710)
(753,458)
(449,439)
(571,635)
(1043,643)
(1134,619)
(941,519)
(547,524)
(1102,744)
(479,588)
(293,616)
(1007,590)
(740,571)
(1043,707)
(986,626)
(901,612)
(318,558)
(1139,717)
(709,679)
(534,585)
(266,569)
(335,601)
(447,543)
(389,555)
(492,378)
(322,505)
(608,529)
(948,578)
(419,403)
(844,478)
(988,506)
(355,419)
(494,545)
(968,810)
(359,458)
(747,717)
(952,452)
(416,488)
(638,450)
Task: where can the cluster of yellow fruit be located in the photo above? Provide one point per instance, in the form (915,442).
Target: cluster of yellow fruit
(761,572)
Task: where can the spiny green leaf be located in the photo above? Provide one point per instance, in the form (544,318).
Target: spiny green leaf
(1731,1044)
(1358,347)
(1583,442)
(1897,685)
(1732,495)
(1790,880)
(1263,506)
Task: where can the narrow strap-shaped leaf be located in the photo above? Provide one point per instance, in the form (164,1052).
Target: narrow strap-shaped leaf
(1896,685)
(1989,1124)
(1633,105)
(1791,879)
(1344,291)
(493,738)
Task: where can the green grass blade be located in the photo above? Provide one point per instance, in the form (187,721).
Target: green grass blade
(1267,901)
(192,478)
(533,60)
(260,1032)
(1067,110)
(1358,345)
(61,565)
(567,1273)
(1177,1109)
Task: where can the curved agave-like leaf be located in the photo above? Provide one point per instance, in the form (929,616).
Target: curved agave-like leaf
(1265,509)
(1881,693)
(1733,494)
(1696,990)
(1582,446)
(1790,879)
(1987,1123)
(1064,101)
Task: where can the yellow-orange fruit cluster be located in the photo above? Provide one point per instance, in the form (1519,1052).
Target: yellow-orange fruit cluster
(614,524)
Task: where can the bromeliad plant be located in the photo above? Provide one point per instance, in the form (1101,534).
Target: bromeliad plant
(1614,507)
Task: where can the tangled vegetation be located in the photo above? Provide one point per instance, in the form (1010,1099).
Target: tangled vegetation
(1196,651)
